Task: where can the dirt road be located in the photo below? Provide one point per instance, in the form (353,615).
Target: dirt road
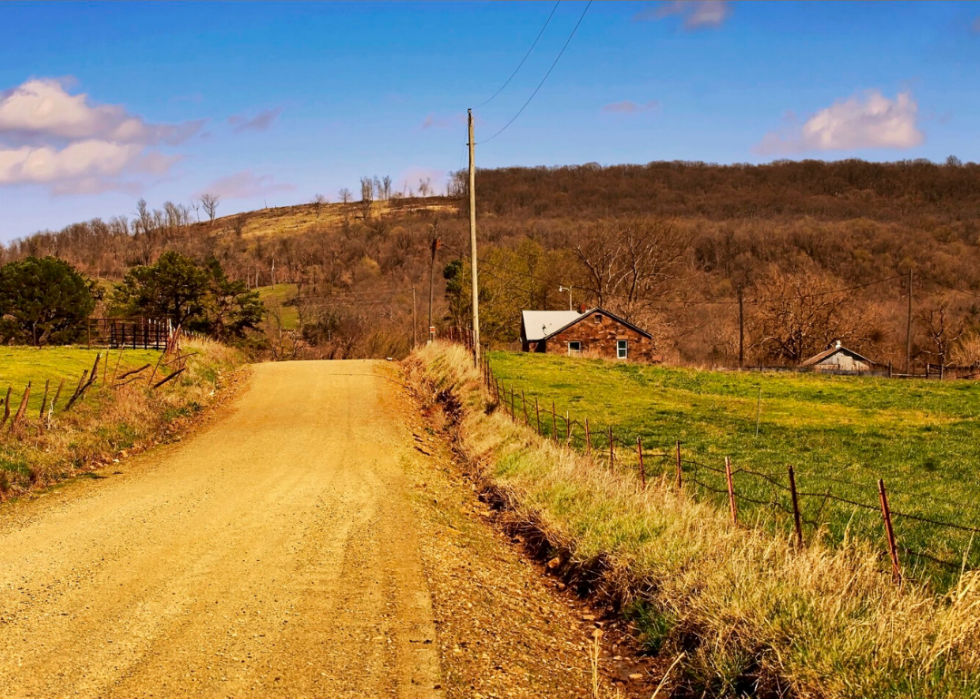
(272,553)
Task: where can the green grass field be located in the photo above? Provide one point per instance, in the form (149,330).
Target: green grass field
(278,295)
(839,433)
(18,365)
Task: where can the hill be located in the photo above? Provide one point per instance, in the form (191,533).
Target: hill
(821,250)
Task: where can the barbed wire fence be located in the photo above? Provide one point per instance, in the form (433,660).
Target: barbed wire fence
(776,498)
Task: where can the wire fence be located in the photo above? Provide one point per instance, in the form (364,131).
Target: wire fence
(863,509)
(172,362)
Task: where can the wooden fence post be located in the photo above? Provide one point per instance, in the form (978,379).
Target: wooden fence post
(6,408)
(886,514)
(612,453)
(731,490)
(554,422)
(588,439)
(643,470)
(680,477)
(796,507)
(537,414)
(57,394)
(44,400)
(22,408)
(568,429)
(513,404)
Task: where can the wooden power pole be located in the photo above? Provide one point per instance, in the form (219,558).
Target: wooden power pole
(908,332)
(473,258)
(741,330)
(436,244)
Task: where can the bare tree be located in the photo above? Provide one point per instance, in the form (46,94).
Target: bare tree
(318,201)
(344,195)
(379,189)
(238,225)
(798,314)
(210,204)
(386,186)
(367,189)
(425,187)
(941,329)
(630,265)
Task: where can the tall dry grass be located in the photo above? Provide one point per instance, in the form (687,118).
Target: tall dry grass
(108,422)
(753,613)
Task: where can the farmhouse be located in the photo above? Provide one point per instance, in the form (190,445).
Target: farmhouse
(596,333)
(840,359)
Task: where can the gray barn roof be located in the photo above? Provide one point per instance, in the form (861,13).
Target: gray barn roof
(540,324)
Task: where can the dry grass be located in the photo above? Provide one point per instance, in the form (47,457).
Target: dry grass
(753,614)
(107,422)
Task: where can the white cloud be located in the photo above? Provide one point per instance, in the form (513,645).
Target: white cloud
(66,143)
(245,185)
(42,108)
(260,122)
(630,107)
(697,14)
(871,121)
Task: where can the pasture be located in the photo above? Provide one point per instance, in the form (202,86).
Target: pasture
(839,433)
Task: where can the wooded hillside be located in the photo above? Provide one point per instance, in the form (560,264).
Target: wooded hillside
(821,250)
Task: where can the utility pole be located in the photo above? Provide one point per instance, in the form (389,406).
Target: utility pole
(436,244)
(741,330)
(473,259)
(562,288)
(415,321)
(908,331)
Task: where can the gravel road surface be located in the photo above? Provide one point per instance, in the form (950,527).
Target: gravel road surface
(271,554)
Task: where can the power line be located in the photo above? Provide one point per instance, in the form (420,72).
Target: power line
(547,21)
(560,53)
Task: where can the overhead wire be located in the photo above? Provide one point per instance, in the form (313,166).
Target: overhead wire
(547,21)
(545,78)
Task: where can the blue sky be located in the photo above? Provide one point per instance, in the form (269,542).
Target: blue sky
(101,104)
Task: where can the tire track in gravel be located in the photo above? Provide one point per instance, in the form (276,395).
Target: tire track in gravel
(273,553)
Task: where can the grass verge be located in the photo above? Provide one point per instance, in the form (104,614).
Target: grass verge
(751,614)
(106,421)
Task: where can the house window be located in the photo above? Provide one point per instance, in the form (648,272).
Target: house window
(574,347)
(621,349)
(598,317)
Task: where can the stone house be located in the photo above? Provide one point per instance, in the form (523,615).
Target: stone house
(593,333)
(838,358)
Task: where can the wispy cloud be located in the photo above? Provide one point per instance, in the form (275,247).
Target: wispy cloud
(71,145)
(260,122)
(432,121)
(245,185)
(630,107)
(697,14)
(868,121)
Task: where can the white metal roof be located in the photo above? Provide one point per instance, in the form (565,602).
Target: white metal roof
(540,324)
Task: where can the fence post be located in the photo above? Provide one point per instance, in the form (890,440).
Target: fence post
(6,408)
(643,471)
(513,411)
(588,439)
(537,414)
(22,408)
(680,477)
(889,370)
(554,422)
(568,429)
(44,400)
(731,490)
(886,514)
(796,507)
(57,394)
(612,453)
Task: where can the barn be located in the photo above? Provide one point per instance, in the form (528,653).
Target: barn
(594,333)
(838,358)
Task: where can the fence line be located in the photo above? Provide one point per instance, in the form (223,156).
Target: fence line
(602,445)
